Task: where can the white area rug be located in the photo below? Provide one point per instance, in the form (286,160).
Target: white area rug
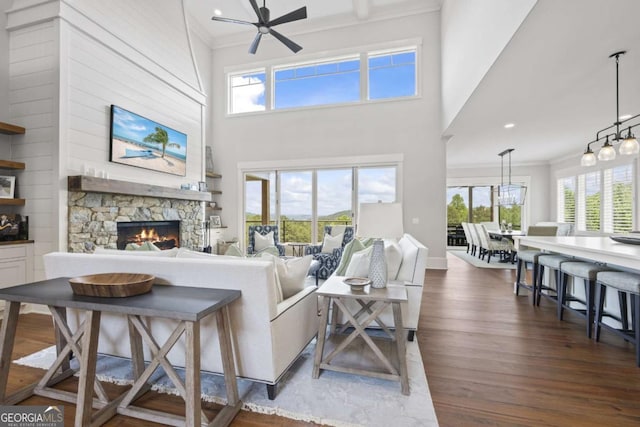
(334,399)
(477,262)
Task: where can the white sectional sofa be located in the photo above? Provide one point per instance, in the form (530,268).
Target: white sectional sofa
(268,335)
(411,275)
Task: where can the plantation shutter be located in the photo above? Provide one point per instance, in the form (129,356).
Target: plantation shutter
(580,205)
(618,200)
(560,202)
(592,200)
(566,199)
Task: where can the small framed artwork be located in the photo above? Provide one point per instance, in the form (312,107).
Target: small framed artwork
(7,186)
(215,221)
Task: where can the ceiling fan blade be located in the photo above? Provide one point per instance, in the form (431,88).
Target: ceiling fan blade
(233,21)
(290,17)
(254,45)
(287,42)
(256,9)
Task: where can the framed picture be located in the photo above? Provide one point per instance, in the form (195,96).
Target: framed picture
(9,226)
(138,141)
(214,221)
(7,186)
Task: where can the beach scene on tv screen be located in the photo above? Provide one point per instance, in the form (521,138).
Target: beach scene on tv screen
(138,141)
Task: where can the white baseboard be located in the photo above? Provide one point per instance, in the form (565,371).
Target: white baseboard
(439,263)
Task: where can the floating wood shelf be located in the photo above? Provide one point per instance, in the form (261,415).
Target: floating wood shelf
(213,175)
(8,129)
(8,164)
(12,202)
(92,184)
(215,192)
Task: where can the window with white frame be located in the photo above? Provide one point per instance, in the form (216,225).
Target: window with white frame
(320,83)
(392,74)
(246,91)
(388,74)
(599,200)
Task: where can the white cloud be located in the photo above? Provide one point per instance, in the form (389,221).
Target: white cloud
(246,97)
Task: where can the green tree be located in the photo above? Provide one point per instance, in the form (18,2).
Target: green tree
(160,136)
(593,212)
(569,205)
(457,211)
(622,211)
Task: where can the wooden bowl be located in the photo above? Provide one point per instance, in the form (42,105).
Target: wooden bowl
(112,284)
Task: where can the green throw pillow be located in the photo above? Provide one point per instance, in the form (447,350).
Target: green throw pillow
(349,249)
(234,250)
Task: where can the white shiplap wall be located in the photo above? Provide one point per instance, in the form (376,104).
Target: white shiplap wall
(33,95)
(69,61)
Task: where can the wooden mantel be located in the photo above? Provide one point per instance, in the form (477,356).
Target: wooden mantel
(90,184)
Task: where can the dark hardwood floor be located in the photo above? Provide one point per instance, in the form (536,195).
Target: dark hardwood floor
(491,360)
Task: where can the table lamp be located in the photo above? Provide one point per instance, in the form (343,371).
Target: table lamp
(380,221)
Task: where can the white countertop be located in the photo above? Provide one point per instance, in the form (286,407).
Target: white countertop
(599,249)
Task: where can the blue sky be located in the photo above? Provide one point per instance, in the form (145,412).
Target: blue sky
(135,127)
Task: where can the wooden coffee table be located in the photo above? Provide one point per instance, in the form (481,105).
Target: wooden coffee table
(372,302)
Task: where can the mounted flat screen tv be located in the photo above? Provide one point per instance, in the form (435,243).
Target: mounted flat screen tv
(138,141)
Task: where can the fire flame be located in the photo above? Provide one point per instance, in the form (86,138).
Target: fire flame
(150,236)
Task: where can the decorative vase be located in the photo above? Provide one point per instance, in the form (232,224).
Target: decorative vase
(378,266)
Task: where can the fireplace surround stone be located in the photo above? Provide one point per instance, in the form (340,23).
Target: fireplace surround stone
(93,218)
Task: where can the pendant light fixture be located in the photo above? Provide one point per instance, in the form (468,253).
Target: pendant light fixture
(628,144)
(509,194)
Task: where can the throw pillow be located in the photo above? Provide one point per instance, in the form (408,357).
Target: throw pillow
(359,264)
(338,229)
(331,242)
(393,257)
(272,250)
(291,273)
(234,250)
(186,253)
(349,249)
(261,242)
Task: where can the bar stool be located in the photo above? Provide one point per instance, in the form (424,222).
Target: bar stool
(553,263)
(623,282)
(580,270)
(526,257)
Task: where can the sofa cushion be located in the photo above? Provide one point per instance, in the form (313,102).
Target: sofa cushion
(393,257)
(349,249)
(291,273)
(169,253)
(409,260)
(331,242)
(261,242)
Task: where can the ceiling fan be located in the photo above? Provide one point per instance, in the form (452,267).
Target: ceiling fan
(264,25)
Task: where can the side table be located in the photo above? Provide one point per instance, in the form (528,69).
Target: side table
(297,248)
(372,302)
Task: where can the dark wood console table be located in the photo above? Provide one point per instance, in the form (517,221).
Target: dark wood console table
(188,305)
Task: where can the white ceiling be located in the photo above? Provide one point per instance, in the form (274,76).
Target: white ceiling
(554,80)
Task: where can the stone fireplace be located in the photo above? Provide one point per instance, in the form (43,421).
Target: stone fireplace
(97,207)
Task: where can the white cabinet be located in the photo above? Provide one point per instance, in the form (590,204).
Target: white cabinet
(16,265)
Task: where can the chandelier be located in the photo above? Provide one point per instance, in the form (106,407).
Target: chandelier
(509,194)
(628,143)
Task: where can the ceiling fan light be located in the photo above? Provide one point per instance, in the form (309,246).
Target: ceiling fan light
(588,158)
(607,152)
(629,146)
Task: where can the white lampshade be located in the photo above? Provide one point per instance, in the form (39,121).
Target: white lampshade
(588,159)
(629,146)
(380,220)
(607,152)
